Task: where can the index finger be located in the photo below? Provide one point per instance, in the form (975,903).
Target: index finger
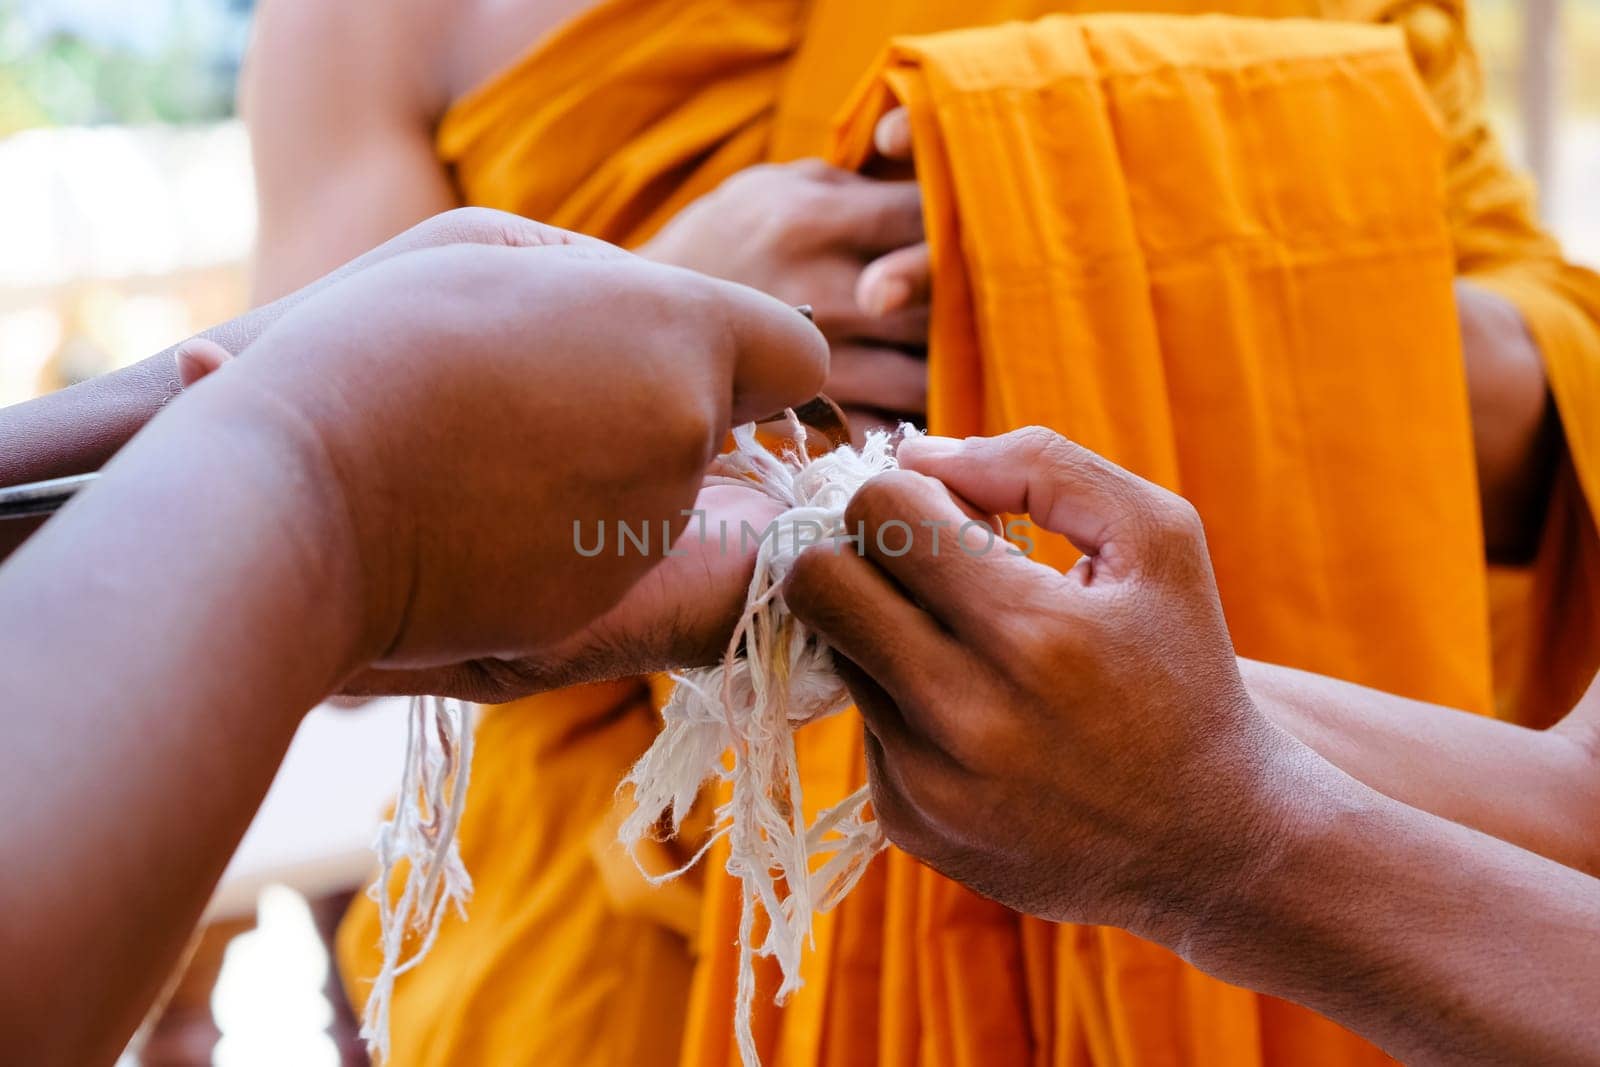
(955,565)
(875,216)
(892,135)
(1062,486)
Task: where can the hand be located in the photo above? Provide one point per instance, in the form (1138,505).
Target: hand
(1078,746)
(680,614)
(806,233)
(905,276)
(459,407)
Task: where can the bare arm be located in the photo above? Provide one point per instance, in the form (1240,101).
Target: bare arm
(341,100)
(1441,944)
(284,524)
(1103,761)
(78,429)
(1538,789)
(181,732)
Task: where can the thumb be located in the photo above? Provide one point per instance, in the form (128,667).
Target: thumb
(1062,486)
(780,358)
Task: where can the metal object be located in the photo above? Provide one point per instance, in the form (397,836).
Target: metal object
(42,498)
(823,416)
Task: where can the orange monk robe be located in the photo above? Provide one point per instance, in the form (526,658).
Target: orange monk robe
(609,126)
(1115,256)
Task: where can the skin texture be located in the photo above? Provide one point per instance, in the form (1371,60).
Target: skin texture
(1099,757)
(1538,789)
(78,429)
(352,498)
(58,434)
(679,614)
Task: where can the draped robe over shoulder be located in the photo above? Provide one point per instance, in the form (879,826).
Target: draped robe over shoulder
(1219,251)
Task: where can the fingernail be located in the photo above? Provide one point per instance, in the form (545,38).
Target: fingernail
(889,135)
(924,449)
(881,296)
(882,137)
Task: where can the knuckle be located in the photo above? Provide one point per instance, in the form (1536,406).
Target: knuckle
(1174,522)
(470,224)
(1031,651)
(810,167)
(899,816)
(1038,439)
(1047,450)
(800,211)
(692,432)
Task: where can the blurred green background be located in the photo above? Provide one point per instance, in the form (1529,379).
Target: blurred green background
(81,62)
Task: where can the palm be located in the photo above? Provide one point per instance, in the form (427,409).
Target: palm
(681,614)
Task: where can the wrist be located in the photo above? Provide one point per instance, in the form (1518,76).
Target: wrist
(1225,875)
(1294,827)
(300,523)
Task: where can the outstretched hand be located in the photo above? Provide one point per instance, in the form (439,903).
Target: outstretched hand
(522,366)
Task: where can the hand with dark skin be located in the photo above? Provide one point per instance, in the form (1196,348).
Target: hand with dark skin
(339,497)
(1084,747)
(79,429)
(654,627)
(680,614)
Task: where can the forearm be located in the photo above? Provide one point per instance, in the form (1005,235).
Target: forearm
(162,638)
(80,428)
(1539,790)
(1439,943)
(77,429)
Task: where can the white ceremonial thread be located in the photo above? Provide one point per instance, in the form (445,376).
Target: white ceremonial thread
(775,678)
(422,834)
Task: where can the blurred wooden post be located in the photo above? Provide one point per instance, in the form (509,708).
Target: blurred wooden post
(1541,26)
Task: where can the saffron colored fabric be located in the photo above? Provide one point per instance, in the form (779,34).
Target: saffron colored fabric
(1219,250)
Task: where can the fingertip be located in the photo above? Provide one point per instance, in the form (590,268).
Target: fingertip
(892,135)
(924,453)
(879,292)
(197,358)
(782,356)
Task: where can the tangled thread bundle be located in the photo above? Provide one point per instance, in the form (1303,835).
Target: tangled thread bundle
(775,678)
(422,833)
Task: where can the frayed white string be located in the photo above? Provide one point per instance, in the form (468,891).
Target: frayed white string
(422,834)
(775,678)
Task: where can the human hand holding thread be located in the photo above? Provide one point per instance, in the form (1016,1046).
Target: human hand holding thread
(540,340)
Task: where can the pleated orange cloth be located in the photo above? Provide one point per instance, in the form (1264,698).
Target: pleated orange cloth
(1190,260)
